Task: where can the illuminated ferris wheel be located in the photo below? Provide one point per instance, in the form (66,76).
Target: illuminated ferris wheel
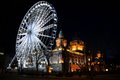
(36,33)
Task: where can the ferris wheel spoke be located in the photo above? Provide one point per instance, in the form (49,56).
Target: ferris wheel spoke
(21,47)
(45,35)
(38,47)
(47,27)
(45,15)
(30,45)
(49,18)
(38,15)
(22,34)
(47,12)
(39,41)
(22,39)
(36,30)
(45,20)
(43,44)
(33,43)
(41,15)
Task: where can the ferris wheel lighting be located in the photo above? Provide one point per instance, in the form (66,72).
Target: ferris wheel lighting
(38,5)
(35,7)
(36,32)
(31,11)
(55,25)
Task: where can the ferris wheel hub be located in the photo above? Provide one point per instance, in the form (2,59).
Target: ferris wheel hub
(29,32)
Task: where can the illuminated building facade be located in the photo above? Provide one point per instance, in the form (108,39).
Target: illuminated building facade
(96,62)
(67,57)
(99,62)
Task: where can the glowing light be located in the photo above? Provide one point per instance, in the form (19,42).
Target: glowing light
(58,43)
(89,69)
(88,59)
(77,45)
(42,62)
(50,69)
(74,48)
(61,61)
(1,53)
(74,67)
(16,67)
(98,55)
(36,33)
(64,43)
(106,69)
(60,49)
(92,63)
(80,47)
(98,62)
(78,53)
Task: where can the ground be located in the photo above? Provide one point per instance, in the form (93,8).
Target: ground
(15,76)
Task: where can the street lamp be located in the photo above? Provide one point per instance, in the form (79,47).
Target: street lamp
(88,59)
(1,53)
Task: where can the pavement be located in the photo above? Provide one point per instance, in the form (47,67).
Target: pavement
(16,76)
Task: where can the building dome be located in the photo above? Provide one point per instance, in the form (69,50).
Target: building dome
(77,45)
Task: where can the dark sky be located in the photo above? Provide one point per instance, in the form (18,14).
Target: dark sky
(96,23)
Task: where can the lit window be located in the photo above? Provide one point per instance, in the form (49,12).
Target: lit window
(74,48)
(80,47)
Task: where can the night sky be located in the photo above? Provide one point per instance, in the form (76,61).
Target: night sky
(96,23)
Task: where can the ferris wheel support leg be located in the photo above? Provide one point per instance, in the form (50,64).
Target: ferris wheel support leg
(9,66)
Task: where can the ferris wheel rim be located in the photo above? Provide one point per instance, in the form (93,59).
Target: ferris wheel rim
(33,7)
(21,59)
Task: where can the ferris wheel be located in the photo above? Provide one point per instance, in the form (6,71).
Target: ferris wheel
(37,31)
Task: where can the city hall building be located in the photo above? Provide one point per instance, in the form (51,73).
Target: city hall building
(67,57)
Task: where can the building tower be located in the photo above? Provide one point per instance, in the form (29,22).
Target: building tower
(57,60)
(61,41)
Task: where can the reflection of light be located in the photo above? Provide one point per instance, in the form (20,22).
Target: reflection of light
(106,69)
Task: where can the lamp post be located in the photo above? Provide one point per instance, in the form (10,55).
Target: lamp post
(2,62)
(1,53)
